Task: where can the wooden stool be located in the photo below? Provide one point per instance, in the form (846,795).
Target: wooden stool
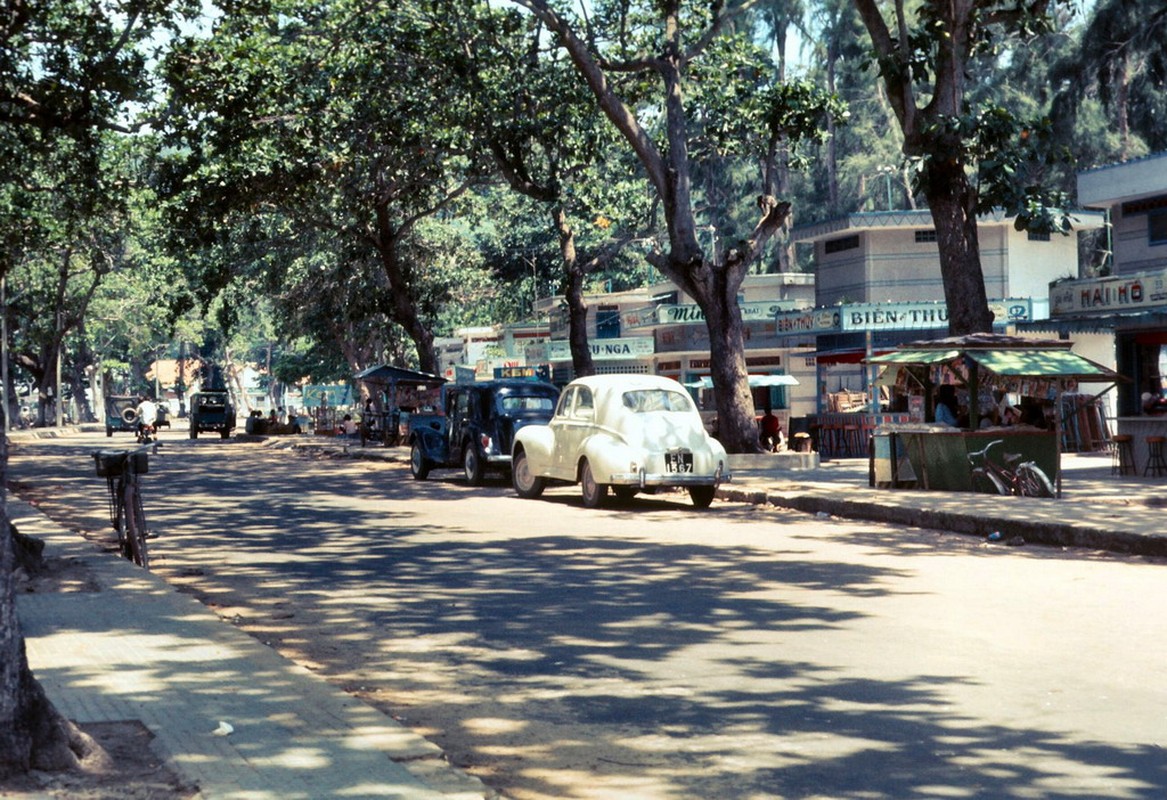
(1122,455)
(1155,462)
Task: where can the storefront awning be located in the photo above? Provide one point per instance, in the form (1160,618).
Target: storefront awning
(918,357)
(755,381)
(385,373)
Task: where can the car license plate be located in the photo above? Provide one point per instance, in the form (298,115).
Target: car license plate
(679,461)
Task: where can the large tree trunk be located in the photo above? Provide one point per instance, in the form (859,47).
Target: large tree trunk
(952,202)
(577,309)
(33,734)
(737,428)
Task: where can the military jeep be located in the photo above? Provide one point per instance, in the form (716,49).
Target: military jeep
(211,411)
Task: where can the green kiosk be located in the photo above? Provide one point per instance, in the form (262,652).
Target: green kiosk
(999,379)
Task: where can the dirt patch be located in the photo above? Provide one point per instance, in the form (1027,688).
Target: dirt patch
(58,575)
(131,772)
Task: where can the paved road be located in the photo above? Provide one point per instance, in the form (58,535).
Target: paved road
(651,651)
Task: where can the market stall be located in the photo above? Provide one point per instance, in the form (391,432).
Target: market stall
(402,392)
(989,373)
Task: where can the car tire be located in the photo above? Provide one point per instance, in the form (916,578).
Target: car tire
(527,485)
(419,465)
(472,465)
(224,434)
(702,496)
(594,494)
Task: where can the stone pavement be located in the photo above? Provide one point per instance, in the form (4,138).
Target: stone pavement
(139,650)
(136,649)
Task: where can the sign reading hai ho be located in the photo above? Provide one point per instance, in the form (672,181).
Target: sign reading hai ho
(1142,290)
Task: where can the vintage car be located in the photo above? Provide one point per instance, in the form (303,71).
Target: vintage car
(211,411)
(632,433)
(477,426)
(121,413)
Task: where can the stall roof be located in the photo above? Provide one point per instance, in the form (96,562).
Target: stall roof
(1046,363)
(1011,356)
(385,373)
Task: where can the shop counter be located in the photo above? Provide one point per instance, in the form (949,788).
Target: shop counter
(936,456)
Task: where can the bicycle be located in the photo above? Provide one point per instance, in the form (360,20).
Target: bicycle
(121,469)
(1010,476)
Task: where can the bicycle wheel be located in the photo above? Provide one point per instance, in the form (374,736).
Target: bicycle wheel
(118,516)
(136,526)
(1032,482)
(986,482)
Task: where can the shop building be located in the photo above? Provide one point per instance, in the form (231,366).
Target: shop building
(1131,302)
(878,284)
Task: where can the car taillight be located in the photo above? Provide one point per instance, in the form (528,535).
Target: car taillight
(484,440)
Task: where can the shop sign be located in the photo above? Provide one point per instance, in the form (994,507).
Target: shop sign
(810,320)
(920,316)
(691,313)
(602,349)
(1136,292)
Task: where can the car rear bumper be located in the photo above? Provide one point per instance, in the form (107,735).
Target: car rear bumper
(645,479)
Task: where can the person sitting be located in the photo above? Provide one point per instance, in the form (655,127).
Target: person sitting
(946,408)
(1154,403)
(146,413)
(771,435)
(347,426)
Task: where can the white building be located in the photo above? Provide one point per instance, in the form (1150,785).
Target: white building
(879,275)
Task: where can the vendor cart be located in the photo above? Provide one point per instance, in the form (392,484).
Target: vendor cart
(403,392)
(1041,370)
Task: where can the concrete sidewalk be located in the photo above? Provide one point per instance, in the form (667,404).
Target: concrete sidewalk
(136,649)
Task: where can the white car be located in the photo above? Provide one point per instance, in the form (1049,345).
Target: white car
(627,432)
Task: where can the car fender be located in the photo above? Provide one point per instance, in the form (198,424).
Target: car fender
(538,442)
(607,454)
(428,432)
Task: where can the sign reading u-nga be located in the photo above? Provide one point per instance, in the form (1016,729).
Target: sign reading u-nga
(602,349)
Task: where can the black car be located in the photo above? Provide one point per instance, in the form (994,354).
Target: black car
(479,422)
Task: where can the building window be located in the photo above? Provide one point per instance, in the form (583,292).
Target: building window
(924,237)
(841,244)
(1035,236)
(608,322)
(1157,228)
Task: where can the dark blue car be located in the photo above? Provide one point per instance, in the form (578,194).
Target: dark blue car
(477,426)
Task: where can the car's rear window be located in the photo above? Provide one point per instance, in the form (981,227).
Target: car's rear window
(644,400)
(514,402)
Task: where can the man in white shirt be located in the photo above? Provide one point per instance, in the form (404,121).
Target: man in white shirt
(147,412)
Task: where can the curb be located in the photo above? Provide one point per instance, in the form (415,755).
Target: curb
(1034,531)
